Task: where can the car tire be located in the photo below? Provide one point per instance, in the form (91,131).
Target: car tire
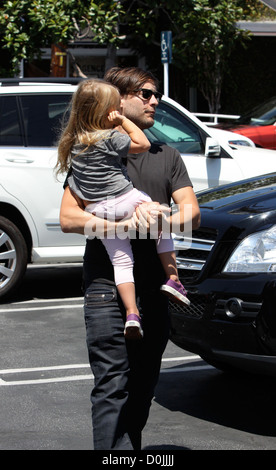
(13,257)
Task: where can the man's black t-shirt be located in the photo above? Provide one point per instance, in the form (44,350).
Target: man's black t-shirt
(158,172)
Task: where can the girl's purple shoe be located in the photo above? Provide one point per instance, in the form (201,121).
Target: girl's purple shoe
(133,328)
(176,292)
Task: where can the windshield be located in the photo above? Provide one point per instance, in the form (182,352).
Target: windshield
(263,115)
(173,128)
(232,192)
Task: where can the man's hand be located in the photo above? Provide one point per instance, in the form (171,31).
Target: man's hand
(150,216)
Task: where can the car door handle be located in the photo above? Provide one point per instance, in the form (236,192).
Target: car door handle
(19,160)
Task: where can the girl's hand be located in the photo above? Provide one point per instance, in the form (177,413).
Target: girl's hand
(115,118)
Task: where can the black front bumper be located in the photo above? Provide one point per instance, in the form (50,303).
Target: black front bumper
(230,321)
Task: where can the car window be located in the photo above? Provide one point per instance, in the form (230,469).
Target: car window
(174,129)
(268,118)
(263,115)
(43,117)
(10,131)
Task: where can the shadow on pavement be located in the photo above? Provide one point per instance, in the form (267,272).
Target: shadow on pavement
(49,283)
(239,401)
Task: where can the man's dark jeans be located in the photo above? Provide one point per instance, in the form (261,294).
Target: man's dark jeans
(125,372)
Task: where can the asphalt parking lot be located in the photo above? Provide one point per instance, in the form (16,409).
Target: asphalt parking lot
(45,383)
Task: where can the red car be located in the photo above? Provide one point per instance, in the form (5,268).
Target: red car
(259,125)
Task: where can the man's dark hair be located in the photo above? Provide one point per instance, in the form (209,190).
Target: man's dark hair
(129,79)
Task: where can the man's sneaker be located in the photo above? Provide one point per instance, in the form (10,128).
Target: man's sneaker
(133,328)
(175,291)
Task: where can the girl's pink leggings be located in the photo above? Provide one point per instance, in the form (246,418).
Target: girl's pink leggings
(119,251)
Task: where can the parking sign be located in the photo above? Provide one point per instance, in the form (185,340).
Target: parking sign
(166,47)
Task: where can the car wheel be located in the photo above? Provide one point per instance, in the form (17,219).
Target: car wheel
(13,257)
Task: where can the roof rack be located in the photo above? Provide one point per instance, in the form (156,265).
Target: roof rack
(18,81)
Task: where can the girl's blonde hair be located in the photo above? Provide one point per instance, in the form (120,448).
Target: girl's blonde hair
(90,105)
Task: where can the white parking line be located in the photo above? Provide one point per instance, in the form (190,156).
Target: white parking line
(26,305)
(71,378)
(66,303)
(183,358)
(37,369)
(81,366)
(39,301)
(49,307)
(88,376)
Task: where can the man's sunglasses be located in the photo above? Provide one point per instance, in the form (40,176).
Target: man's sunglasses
(147,94)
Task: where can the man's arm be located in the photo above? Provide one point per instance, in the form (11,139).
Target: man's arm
(184,217)
(72,214)
(187,210)
(74,219)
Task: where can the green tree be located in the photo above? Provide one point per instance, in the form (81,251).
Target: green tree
(204,36)
(209,35)
(204,31)
(28,25)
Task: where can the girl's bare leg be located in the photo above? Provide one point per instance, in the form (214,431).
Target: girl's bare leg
(133,328)
(127,294)
(168,260)
(173,288)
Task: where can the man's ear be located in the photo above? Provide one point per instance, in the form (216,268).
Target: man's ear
(122,104)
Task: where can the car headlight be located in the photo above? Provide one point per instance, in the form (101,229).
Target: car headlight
(255,254)
(240,142)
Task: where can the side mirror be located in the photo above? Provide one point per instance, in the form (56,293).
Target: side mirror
(212,147)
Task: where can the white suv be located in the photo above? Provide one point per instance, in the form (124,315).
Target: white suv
(30,120)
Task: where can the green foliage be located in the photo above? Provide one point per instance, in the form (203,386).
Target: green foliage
(209,35)
(204,31)
(28,25)
(256,10)
(204,36)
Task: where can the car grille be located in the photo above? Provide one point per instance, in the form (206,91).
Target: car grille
(195,309)
(192,252)
(191,255)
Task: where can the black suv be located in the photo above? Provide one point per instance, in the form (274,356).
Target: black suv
(229,270)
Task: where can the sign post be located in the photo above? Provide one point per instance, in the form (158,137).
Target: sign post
(166,57)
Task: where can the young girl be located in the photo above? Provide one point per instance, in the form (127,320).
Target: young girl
(94,150)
